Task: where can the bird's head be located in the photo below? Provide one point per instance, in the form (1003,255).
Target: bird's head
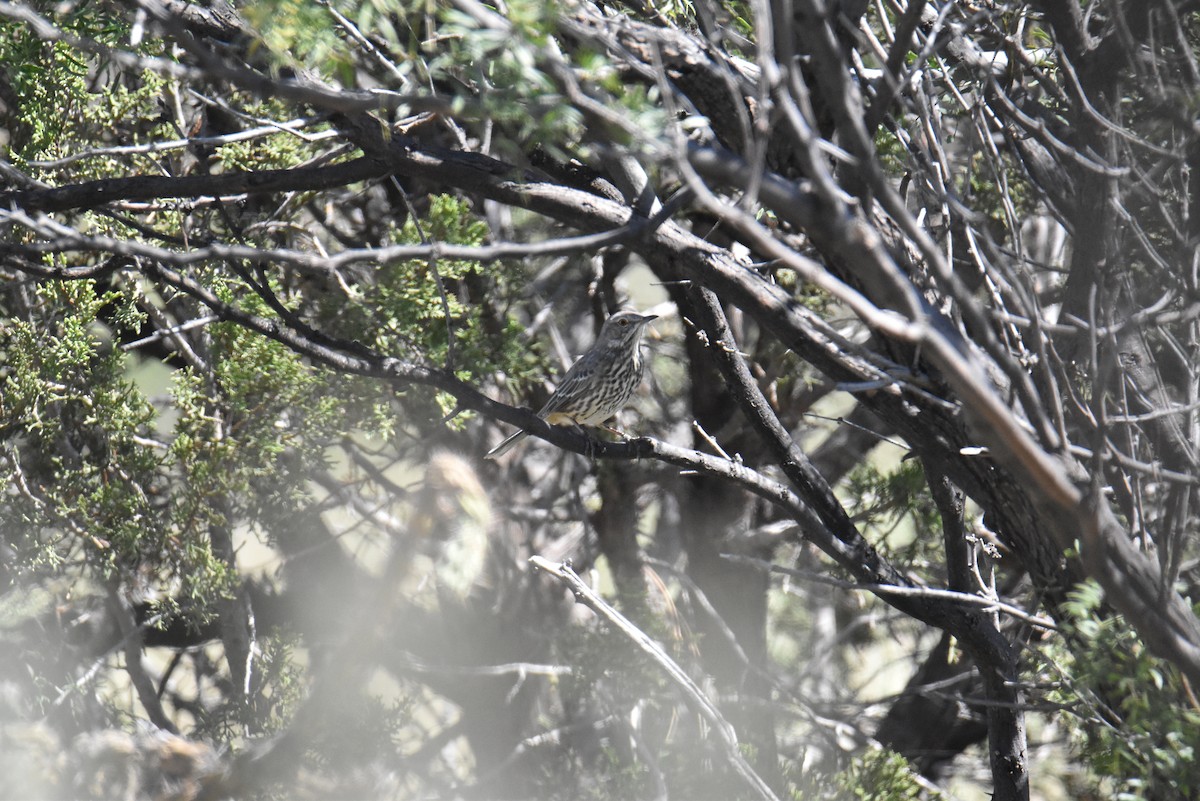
(625,326)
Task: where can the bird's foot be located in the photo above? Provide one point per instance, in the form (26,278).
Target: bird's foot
(589,449)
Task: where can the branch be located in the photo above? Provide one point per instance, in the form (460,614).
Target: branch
(691,693)
(964,598)
(1066,18)
(90,194)
(865,560)
(867,565)
(62,239)
(290,126)
(1049,481)
(131,641)
(1006,721)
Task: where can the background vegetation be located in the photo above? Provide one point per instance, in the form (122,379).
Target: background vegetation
(908,508)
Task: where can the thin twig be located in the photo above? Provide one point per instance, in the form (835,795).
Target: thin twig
(692,694)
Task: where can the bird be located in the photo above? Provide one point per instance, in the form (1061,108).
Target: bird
(600,382)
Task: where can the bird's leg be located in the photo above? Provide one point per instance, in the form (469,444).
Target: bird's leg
(611,429)
(589,450)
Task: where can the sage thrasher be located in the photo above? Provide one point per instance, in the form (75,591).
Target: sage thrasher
(600,383)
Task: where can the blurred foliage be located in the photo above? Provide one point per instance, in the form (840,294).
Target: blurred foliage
(297,34)
(1147,736)
(878,774)
(503,64)
(896,511)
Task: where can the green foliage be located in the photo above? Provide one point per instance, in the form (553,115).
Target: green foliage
(43,81)
(877,774)
(989,190)
(507,69)
(252,436)
(610,667)
(62,107)
(895,508)
(524,84)
(1148,739)
(19,608)
(737,14)
(678,11)
(283,677)
(298,34)
(401,311)
(269,153)
(78,467)
(229,432)
(89,482)
(891,152)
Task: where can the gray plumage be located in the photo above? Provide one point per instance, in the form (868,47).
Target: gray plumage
(600,383)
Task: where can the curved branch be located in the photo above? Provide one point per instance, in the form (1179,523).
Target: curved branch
(679,677)
(90,194)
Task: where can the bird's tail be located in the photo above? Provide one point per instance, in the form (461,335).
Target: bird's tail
(505,446)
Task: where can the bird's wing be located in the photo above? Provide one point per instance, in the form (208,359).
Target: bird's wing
(579,371)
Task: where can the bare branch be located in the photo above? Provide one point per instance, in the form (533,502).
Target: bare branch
(691,693)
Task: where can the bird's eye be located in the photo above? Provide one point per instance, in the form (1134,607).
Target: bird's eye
(624,323)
